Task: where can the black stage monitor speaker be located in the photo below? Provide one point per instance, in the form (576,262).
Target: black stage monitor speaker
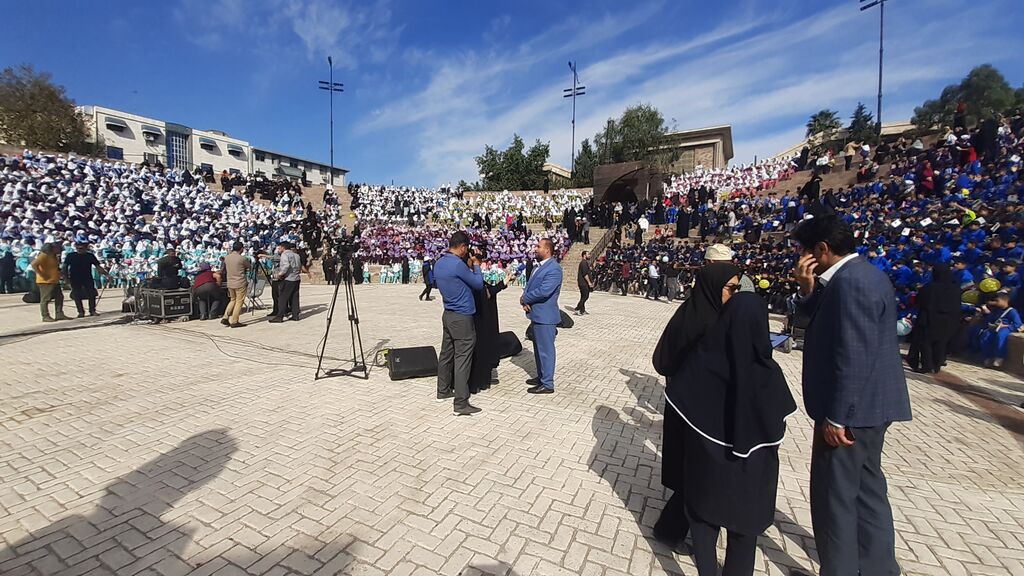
(418,362)
(508,345)
(567,321)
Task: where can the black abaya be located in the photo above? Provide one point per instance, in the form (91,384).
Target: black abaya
(485,353)
(734,400)
(680,337)
(683,224)
(937,321)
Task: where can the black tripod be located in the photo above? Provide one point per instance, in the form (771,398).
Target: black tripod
(253,295)
(358,361)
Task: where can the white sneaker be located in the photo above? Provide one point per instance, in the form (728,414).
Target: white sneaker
(998,363)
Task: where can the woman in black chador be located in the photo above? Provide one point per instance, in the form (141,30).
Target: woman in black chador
(725,416)
(675,350)
(734,401)
(485,353)
(937,321)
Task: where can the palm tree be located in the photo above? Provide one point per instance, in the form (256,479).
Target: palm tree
(825,121)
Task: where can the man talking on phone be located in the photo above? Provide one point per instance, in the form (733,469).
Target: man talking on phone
(854,388)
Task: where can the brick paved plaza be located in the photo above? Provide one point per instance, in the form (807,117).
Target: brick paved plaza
(191,448)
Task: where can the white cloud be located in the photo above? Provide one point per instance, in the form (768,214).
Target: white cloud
(762,74)
(350,32)
(322,25)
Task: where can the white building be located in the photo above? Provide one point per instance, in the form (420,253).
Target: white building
(136,139)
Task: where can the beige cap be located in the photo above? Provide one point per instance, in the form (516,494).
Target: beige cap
(718,253)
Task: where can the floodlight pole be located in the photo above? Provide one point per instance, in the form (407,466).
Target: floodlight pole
(332,87)
(573,92)
(881,52)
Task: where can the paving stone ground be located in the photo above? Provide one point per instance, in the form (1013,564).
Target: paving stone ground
(191,448)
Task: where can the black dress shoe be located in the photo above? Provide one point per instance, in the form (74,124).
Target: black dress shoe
(225,322)
(540,389)
(677,545)
(275,320)
(467,410)
(445,395)
(533,382)
(238,325)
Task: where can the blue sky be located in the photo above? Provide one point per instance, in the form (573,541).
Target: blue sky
(429,83)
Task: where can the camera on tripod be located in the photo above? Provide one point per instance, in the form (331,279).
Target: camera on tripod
(345,247)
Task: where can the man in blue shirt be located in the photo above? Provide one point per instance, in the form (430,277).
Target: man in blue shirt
(456,278)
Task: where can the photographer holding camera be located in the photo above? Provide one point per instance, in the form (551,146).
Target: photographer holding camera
(457,275)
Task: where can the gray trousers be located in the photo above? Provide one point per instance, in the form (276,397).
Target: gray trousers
(456,358)
(850,510)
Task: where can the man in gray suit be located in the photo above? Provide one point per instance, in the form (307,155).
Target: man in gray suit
(854,387)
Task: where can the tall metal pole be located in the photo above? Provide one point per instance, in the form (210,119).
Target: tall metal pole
(332,87)
(881,50)
(330,63)
(573,92)
(881,53)
(572,146)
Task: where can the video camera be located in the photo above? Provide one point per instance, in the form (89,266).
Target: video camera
(345,247)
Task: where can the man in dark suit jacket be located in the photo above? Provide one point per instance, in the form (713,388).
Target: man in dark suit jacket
(854,387)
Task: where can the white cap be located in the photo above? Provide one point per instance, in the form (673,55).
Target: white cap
(718,253)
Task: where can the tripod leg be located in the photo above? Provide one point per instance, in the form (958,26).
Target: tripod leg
(330,317)
(357,339)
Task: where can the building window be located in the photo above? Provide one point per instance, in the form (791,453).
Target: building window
(206,168)
(178,151)
(115,153)
(260,156)
(293,163)
(153,159)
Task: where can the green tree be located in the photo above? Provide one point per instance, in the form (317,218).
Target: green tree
(513,165)
(536,157)
(984,92)
(586,161)
(824,122)
(489,166)
(36,113)
(634,137)
(640,128)
(514,168)
(605,141)
(862,125)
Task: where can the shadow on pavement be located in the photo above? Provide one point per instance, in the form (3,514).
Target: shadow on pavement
(776,553)
(72,325)
(1005,415)
(649,390)
(126,532)
(622,457)
(126,526)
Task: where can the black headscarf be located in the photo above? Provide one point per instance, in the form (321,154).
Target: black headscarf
(693,319)
(944,291)
(733,393)
(938,307)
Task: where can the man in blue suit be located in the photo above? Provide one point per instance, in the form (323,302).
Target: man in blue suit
(854,387)
(540,301)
